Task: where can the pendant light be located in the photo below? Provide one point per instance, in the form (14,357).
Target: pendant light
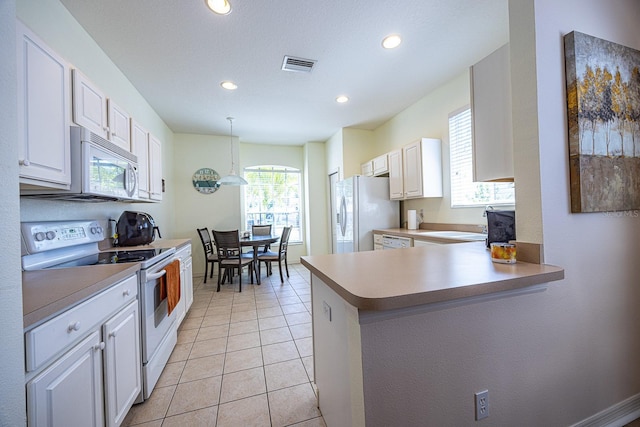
(232,178)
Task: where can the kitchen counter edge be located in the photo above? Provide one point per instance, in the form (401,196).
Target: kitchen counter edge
(402,278)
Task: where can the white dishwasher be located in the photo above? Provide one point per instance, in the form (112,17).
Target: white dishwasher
(396,242)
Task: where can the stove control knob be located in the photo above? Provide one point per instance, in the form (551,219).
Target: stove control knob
(99,229)
(93,230)
(39,236)
(51,235)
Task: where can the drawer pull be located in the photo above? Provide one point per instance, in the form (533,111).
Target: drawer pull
(126,293)
(73,327)
(112,334)
(99,347)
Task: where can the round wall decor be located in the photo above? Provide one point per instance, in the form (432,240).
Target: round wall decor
(205,180)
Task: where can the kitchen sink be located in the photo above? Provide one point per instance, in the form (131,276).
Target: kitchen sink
(458,235)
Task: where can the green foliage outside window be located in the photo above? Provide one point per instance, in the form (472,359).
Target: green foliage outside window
(274,196)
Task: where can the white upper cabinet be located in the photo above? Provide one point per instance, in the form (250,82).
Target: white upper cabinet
(43,113)
(155,168)
(396,187)
(381,165)
(119,126)
(422,168)
(491,112)
(366,169)
(89,105)
(140,147)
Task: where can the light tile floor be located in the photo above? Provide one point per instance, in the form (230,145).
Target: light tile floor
(242,359)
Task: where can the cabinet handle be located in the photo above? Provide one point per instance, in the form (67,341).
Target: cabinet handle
(73,327)
(112,334)
(25,162)
(126,293)
(98,347)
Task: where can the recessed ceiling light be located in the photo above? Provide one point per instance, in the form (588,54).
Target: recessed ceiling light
(221,7)
(229,85)
(391,41)
(342,99)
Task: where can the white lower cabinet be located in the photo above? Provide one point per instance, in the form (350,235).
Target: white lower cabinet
(377,242)
(122,373)
(91,380)
(69,392)
(186,282)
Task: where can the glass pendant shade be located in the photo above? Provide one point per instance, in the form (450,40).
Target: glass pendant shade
(232,178)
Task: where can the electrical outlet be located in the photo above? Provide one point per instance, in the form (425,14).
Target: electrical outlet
(482,404)
(326,309)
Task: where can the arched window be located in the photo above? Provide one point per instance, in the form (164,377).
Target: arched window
(274,196)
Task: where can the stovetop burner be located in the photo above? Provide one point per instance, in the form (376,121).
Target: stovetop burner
(113,257)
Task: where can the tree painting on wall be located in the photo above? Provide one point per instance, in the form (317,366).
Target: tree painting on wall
(603,107)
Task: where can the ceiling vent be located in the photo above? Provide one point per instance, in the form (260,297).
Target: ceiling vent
(300,65)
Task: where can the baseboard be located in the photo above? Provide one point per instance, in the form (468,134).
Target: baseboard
(617,415)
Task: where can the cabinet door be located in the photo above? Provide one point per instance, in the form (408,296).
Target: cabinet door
(380,165)
(491,115)
(412,169)
(69,392)
(89,105)
(396,186)
(155,168)
(43,112)
(140,147)
(119,122)
(123,381)
(366,169)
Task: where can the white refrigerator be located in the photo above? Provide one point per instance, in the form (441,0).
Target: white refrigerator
(362,204)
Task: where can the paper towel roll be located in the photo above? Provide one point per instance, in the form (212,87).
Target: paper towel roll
(412,222)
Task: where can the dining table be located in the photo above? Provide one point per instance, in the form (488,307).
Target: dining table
(256,242)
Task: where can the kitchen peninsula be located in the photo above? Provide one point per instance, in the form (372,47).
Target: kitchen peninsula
(379,353)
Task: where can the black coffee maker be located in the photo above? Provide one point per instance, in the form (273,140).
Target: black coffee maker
(135,228)
(501,226)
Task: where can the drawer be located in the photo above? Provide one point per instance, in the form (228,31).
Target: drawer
(377,239)
(62,331)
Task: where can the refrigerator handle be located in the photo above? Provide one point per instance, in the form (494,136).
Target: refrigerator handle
(343,215)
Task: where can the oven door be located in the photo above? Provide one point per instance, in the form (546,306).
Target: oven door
(107,174)
(159,331)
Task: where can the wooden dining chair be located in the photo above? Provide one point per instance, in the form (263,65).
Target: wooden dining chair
(268,257)
(262,230)
(210,256)
(231,257)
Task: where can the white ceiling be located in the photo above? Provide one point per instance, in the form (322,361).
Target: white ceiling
(176,53)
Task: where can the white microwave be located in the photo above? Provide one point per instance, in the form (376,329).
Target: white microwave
(100,171)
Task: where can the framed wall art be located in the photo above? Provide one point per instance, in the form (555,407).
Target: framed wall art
(603,108)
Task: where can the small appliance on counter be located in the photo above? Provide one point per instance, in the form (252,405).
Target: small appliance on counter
(135,228)
(501,226)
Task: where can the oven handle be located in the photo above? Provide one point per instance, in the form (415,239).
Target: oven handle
(154,276)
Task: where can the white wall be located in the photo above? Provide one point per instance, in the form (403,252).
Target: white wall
(222,209)
(358,146)
(12,396)
(597,305)
(317,209)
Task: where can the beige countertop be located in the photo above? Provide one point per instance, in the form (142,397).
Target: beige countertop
(401,278)
(46,293)
(424,234)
